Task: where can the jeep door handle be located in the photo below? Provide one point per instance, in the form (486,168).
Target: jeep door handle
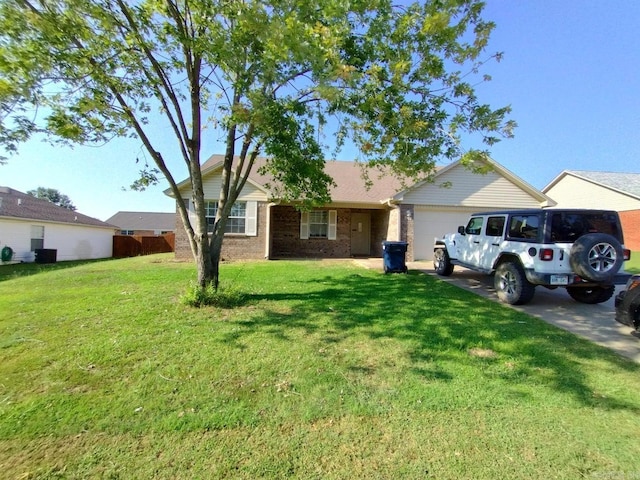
(476,241)
(495,244)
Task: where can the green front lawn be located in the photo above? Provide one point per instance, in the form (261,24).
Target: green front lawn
(633,265)
(326,371)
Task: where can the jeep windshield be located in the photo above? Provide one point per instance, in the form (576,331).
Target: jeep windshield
(566,227)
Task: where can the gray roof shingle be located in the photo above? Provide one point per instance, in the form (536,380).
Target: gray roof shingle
(350,185)
(15,204)
(144,221)
(624,182)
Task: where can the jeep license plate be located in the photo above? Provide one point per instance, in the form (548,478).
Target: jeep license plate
(559,280)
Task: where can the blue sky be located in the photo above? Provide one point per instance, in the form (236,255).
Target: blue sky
(571,72)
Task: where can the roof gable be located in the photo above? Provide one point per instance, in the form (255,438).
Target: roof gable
(625,183)
(19,205)
(352,187)
(502,182)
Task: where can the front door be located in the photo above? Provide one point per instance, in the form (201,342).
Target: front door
(361,234)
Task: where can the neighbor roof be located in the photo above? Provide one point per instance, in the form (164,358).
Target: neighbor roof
(627,183)
(15,204)
(144,221)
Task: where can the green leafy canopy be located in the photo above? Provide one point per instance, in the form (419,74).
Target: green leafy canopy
(292,80)
(391,79)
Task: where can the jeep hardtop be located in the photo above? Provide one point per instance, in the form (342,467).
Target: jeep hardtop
(577,249)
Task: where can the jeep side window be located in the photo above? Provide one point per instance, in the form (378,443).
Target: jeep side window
(562,228)
(495,226)
(605,223)
(474,227)
(567,227)
(524,226)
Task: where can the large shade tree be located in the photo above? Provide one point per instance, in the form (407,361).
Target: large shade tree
(284,79)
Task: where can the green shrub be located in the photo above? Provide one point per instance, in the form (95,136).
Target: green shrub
(223,297)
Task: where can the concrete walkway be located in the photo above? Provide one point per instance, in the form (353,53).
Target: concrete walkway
(593,322)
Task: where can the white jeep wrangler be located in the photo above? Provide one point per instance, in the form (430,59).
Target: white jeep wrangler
(580,250)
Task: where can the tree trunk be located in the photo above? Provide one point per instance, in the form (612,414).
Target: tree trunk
(203,262)
(215,256)
(215,249)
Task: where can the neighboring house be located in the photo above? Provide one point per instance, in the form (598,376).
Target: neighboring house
(606,190)
(144,223)
(359,219)
(28,223)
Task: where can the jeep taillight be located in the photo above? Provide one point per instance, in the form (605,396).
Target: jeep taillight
(546,254)
(626,254)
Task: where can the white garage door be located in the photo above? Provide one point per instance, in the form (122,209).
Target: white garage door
(429,224)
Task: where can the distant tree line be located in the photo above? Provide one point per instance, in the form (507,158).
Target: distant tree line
(54,196)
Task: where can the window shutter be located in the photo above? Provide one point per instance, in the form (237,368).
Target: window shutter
(251,226)
(333,225)
(304,225)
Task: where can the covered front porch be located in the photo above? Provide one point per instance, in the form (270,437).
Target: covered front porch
(352,232)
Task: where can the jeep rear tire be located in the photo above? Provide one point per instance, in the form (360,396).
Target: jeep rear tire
(442,263)
(591,295)
(511,284)
(596,257)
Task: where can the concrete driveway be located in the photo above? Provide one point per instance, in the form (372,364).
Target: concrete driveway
(593,322)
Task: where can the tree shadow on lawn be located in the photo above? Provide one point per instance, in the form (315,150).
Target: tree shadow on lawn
(15,270)
(438,323)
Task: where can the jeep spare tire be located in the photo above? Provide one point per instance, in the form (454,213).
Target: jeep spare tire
(596,257)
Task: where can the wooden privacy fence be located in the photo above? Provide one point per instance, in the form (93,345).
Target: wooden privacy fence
(135,245)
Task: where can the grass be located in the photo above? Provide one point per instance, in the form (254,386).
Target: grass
(633,264)
(326,370)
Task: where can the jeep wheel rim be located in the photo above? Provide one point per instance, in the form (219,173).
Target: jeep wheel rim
(602,257)
(508,283)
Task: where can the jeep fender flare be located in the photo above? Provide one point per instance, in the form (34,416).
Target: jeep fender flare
(441,244)
(506,257)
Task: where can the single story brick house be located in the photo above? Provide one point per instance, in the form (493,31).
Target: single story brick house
(28,224)
(607,190)
(358,219)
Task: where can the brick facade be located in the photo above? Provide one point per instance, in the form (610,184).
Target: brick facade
(285,236)
(406,228)
(631,229)
(286,241)
(234,247)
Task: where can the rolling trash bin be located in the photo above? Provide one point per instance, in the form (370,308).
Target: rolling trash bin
(393,257)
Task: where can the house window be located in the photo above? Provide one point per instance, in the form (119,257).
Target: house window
(37,237)
(126,232)
(318,224)
(236,223)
